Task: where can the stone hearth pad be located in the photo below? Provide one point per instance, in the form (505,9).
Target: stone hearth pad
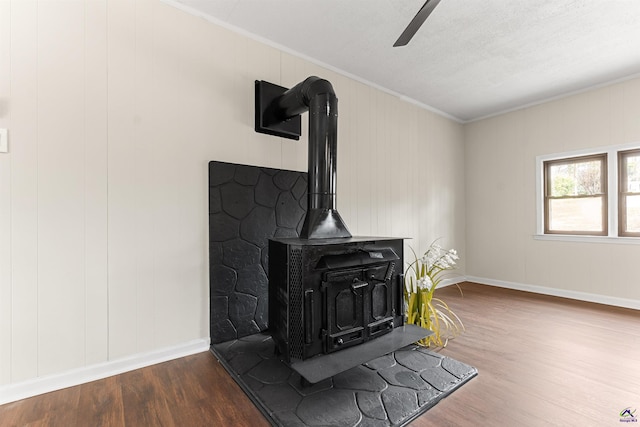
(390,390)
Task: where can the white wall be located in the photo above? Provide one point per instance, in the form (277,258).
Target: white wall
(114,109)
(501,201)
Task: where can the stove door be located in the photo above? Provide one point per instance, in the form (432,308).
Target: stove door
(345,295)
(380,320)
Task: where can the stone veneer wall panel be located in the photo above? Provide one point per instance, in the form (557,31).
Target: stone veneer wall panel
(248,205)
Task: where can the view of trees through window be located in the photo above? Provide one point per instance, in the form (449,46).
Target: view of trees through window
(576,179)
(630,192)
(576,195)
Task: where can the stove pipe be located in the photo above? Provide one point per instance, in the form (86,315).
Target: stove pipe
(317,95)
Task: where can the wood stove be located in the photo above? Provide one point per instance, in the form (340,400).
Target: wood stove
(330,295)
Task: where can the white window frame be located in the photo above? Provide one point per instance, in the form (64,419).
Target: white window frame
(612,195)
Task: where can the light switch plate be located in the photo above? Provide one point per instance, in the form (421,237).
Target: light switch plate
(4,141)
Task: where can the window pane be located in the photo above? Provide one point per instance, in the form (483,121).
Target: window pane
(633,214)
(584,214)
(633,173)
(575,178)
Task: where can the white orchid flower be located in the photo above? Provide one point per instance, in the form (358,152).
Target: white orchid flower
(425,282)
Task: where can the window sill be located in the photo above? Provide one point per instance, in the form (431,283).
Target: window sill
(588,239)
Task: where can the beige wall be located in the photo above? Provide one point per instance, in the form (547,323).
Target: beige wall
(501,200)
(114,109)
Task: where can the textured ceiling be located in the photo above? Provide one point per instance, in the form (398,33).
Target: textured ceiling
(471,58)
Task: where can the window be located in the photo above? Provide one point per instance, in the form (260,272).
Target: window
(575,195)
(589,195)
(629,193)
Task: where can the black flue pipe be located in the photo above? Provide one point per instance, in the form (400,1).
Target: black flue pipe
(318,97)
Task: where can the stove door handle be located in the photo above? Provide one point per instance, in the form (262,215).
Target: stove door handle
(357,284)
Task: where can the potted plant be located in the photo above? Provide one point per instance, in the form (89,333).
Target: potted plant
(421,278)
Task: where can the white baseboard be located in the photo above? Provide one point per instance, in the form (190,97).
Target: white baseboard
(451,281)
(46,384)
(564,293)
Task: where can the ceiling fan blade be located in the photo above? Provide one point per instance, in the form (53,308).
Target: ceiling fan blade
(416,22)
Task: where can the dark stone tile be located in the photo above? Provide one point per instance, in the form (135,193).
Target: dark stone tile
(459,369)
(332,407)
(215,253)
(256,341)
(371,405)
(253,384)
(381,362)
(286,232)
(223,227)
(359,378)
(289,419)
(299,190)
(306,389)
(400,376)
(427,396)
(242,308)
(237,200)
(219,309)
(215,200)
(262,313)
(222,331)
(264,260)
(238,254)
(259,226)
(269,171)
(219,173)
(285,179)
(223,280)
(247,175)
(267,349)
(252,280)
(280,397)
(288,212)
(241,363)
(439,378)
(247,328)
(416,360)
(221,349)
(241,346)
(400,404)
(271,371)
(371,422)
(428,352)
(266,192)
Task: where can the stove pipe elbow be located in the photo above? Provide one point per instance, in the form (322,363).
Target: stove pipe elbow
(318,97)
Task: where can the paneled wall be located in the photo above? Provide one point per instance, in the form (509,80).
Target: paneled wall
(114,109)
(501,200)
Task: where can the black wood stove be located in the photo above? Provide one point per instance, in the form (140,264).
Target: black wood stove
(335,301)
(326,296)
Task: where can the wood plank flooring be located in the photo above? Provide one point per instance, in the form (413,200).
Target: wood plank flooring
(542,361)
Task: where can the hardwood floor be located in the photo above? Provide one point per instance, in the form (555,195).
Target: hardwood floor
(542,361)
(191,391)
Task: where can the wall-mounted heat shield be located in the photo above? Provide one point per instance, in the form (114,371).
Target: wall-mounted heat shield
(267,120)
